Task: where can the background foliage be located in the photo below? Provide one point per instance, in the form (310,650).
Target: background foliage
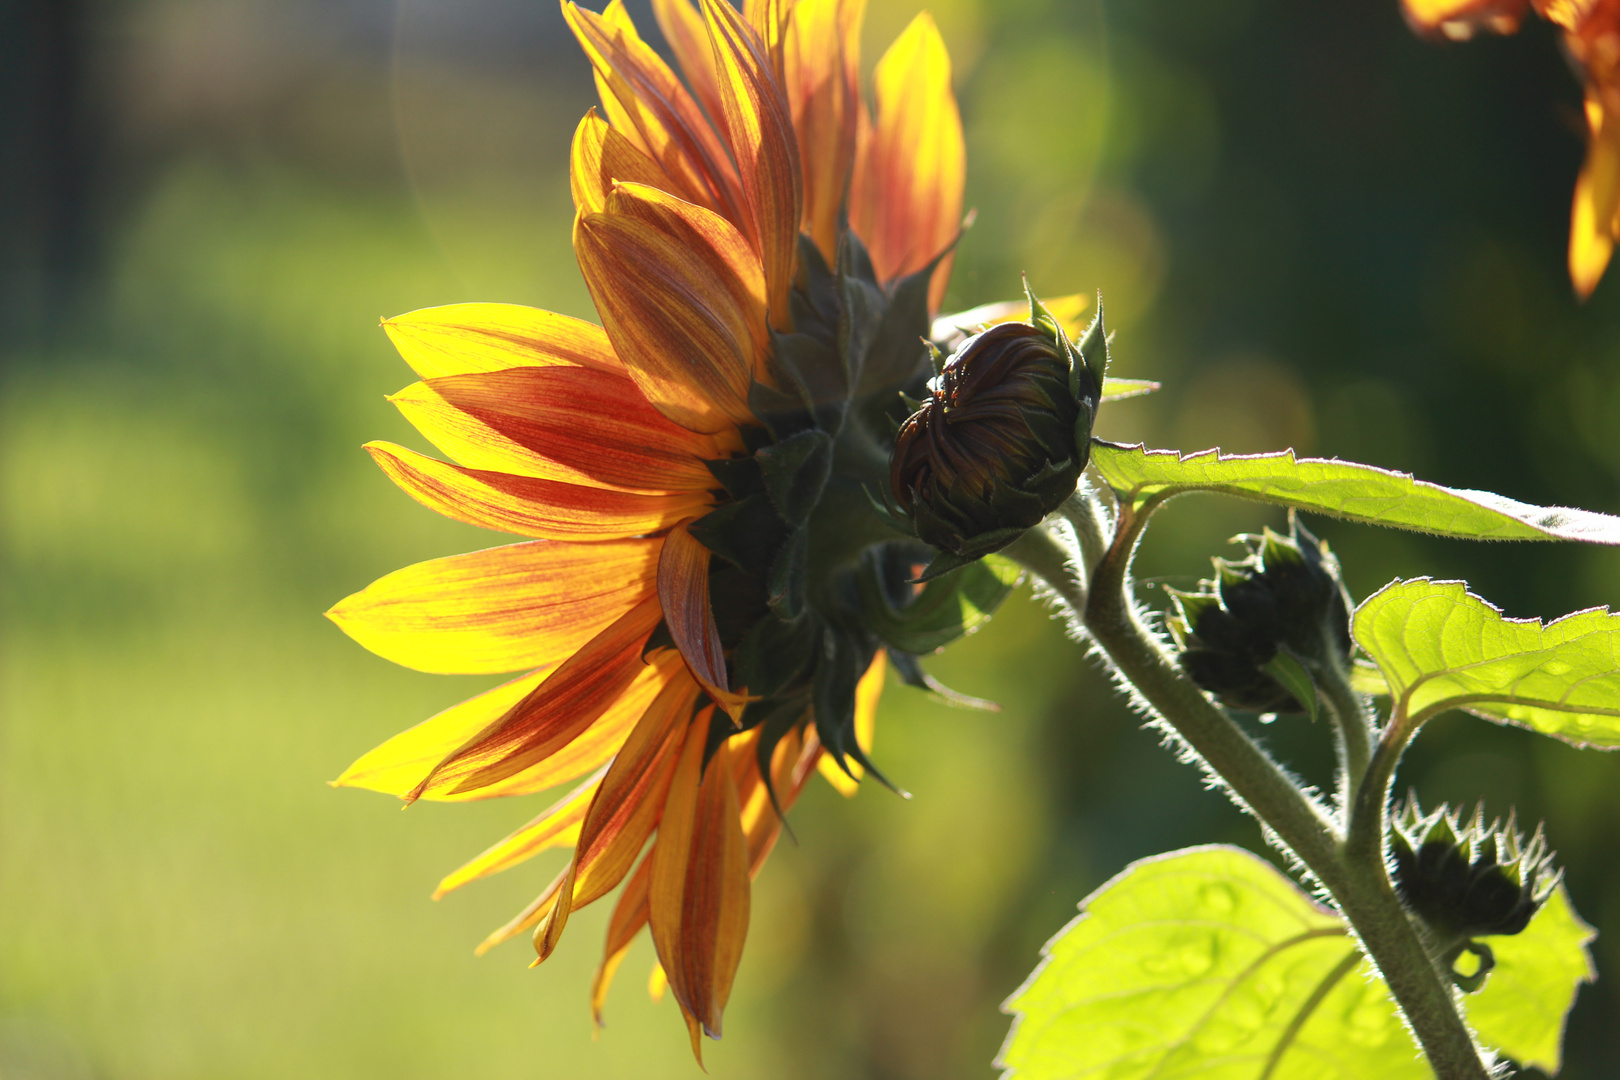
(1318,231)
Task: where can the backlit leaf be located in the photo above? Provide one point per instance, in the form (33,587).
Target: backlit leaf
(1521,1008)
(1209,963)
(1343,489)
(1440,647)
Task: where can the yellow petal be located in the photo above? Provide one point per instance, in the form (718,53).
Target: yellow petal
(629,916)
(1592,214)
(526,918)
(868,691)
(600,156)
(529,506)
(502,609)
(556,826)
(1459,19)
(906,196)
(689,41)
(399,764)
(459,338)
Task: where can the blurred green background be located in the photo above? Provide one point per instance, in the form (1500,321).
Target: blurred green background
(1318,231)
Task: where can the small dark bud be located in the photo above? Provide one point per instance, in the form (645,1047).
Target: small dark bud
(1469,881)
(1251,635)
(1004,436)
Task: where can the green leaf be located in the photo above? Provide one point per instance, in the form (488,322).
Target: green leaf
(1210,963)
(1343,489)
(1521,1009)
(949,606)
(1441,647)
(1119,389)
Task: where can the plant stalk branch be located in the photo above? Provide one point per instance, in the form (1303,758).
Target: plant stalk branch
(1354,874)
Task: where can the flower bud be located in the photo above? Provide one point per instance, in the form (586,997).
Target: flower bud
(1469,881)
(1004,436)
(1251,635)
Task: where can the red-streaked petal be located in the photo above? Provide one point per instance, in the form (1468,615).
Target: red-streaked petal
(460,338)
(568,424)
(821,53)
(666,900)
(600,156)
(673,308)
(646,102)
(715,919)
(683,592)
(559,710)
(529,506)
(399,764)
(689,41)
(556,826)
(625,809)
(502,609)
(759,129)
(867,694)
(906,197)
(629,916)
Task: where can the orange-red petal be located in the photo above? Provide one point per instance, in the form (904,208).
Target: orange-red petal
(460,338)
(557,711)
(629,916)
(625,809)
(821,52)
(759,129)
(683,591)
(689,41)
(646,102)
(670,299)
(559,423)
(906,197)
(716,899)
(502,609)
(528,506)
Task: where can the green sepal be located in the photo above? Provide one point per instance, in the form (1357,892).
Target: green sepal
(946,609)
(813,372)
(912,674)
(746,533)
(1287,670)
(740,476)
(795,471)
(943,564)
(775,654)
(784,586)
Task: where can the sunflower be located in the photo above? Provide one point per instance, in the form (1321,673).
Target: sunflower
(711,587)
(1592,38)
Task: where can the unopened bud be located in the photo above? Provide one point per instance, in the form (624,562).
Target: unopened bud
(1004,436)
(1251,635)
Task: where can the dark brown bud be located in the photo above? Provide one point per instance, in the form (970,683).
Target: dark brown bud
(1003,438)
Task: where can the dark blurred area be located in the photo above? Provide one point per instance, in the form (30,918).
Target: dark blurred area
(1316,230)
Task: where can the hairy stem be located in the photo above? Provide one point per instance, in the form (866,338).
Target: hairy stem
(1356,734)
(1353,872)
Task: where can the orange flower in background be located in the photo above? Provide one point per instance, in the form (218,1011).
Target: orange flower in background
(709,594)
(1592,36)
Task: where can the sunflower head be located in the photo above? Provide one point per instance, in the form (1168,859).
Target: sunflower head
(1245,634)
(1003,435)
(1468,881)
